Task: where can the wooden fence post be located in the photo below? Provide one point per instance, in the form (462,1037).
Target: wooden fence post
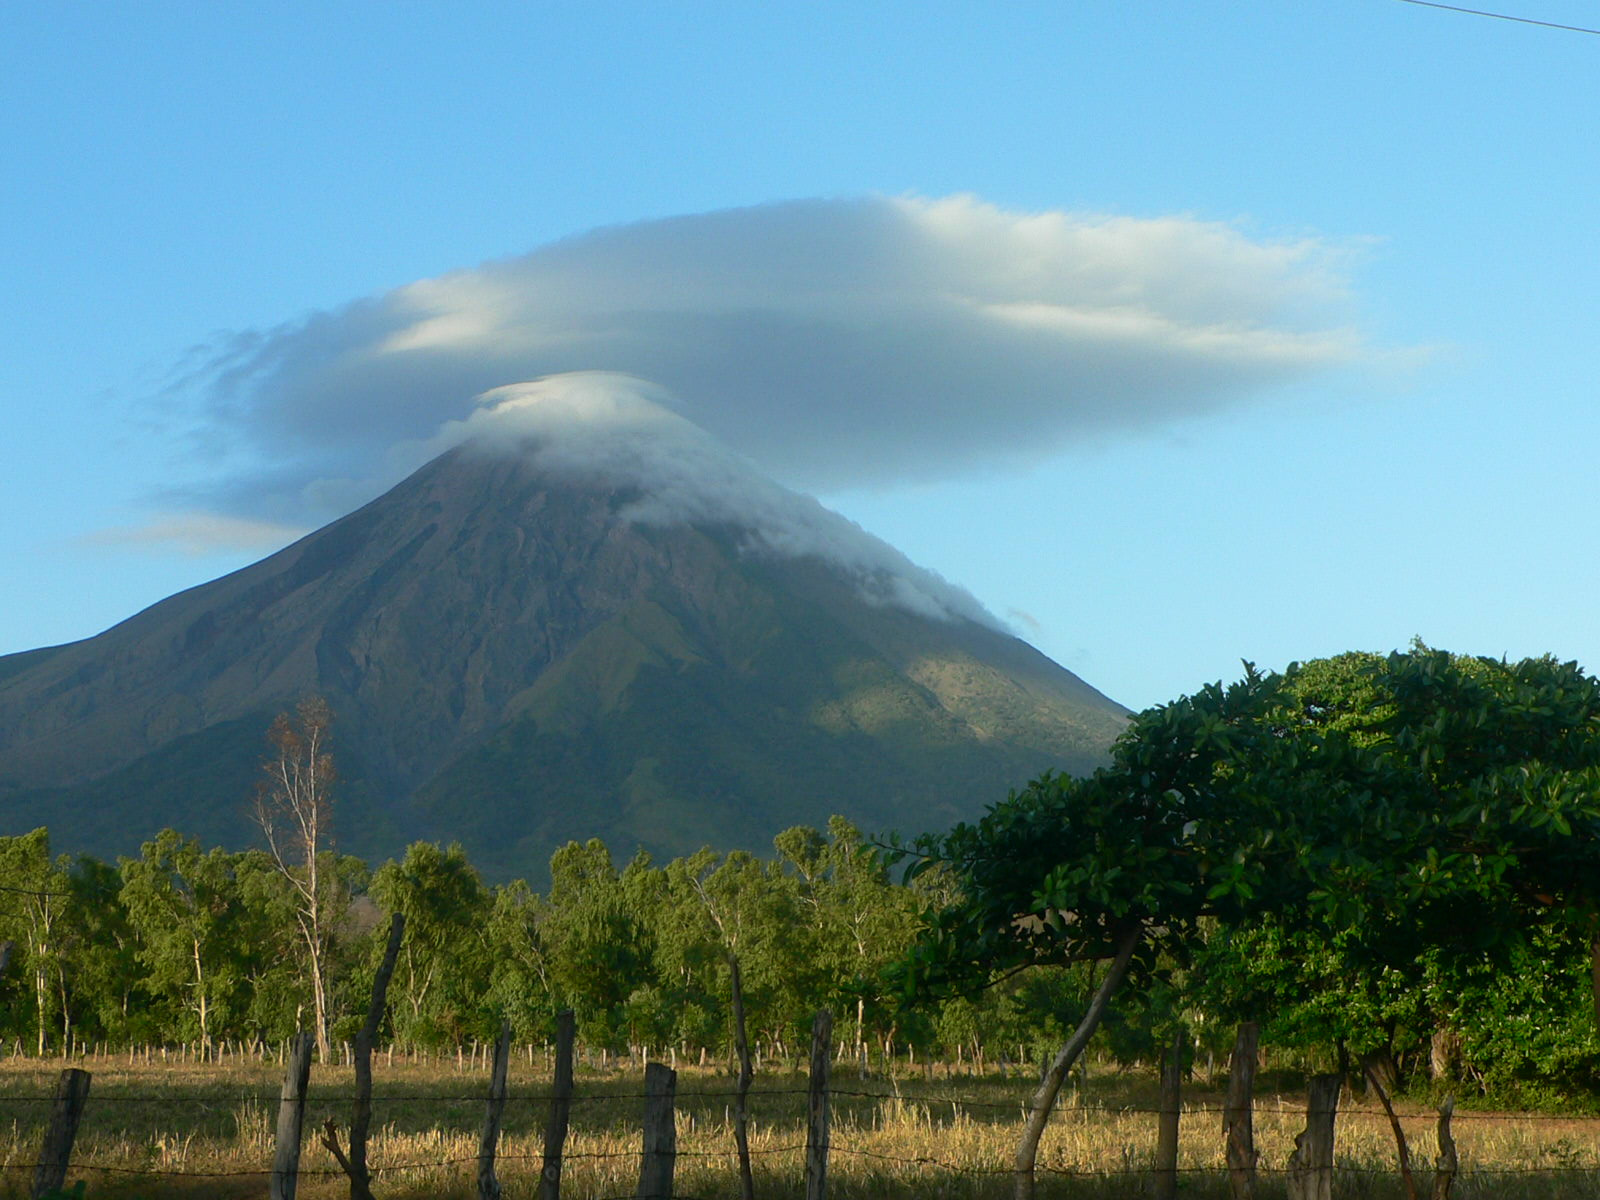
(555,1130)
(291,1115)
(660,1133)
(1310,1174)
(488,1185)
(1171,1108)
(1238,1117)
(71,1095)
(741,1103)
(817,1108)
(1446,1164)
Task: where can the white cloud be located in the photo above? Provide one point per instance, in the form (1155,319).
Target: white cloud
(832,342)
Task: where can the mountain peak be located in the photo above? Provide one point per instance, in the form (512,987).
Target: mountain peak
(555,628)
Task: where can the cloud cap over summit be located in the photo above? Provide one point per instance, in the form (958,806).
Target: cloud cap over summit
(835,343)
(601,428)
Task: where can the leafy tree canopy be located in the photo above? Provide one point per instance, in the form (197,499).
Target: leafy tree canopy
(1419,799)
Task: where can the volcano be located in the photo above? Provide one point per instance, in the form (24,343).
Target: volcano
(518,655)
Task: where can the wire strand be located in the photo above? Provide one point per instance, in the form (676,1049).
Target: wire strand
(1478,12)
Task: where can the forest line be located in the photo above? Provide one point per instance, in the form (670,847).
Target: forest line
(195,946)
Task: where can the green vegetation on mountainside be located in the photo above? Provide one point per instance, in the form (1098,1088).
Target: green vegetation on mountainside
(666,739)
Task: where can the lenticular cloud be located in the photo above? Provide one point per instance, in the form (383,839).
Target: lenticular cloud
(833,343)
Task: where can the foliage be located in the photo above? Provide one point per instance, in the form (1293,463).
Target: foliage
(1488,859)
(436,995)
(37,912)
(1391,855)
(1206,812)
(181,907)
(1341,845)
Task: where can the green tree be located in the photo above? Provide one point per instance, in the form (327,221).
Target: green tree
(1213,809)
(735,909)
(276,981)
(599,947)
(105,980)
(859,920)
(1412,803)
(521,981)
(1489,776)
(186,911)
(37,906)
(442,976)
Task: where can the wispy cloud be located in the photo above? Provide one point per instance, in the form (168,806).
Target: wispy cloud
(832,342)
(197,534)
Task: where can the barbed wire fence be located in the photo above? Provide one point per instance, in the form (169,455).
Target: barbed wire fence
(792,1162)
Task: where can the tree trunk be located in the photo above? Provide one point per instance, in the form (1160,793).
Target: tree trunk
(1594,975)
(41,995)
(319,996)
(1380,1067)
(1044,1099)
(1399,1133)
(200,996)
(1444,1047)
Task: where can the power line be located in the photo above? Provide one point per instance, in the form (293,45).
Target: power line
(22,891)
(1478,12)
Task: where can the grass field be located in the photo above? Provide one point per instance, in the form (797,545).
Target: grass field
(155,1130)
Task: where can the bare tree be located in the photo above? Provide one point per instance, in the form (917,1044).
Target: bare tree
(294,806)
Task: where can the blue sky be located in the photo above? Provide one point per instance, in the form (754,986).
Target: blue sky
(178,174)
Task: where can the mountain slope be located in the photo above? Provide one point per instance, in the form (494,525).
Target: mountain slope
(513,661)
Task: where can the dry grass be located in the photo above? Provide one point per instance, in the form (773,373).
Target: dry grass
(186,1130)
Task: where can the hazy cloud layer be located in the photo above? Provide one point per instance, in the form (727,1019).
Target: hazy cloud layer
(832,342)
